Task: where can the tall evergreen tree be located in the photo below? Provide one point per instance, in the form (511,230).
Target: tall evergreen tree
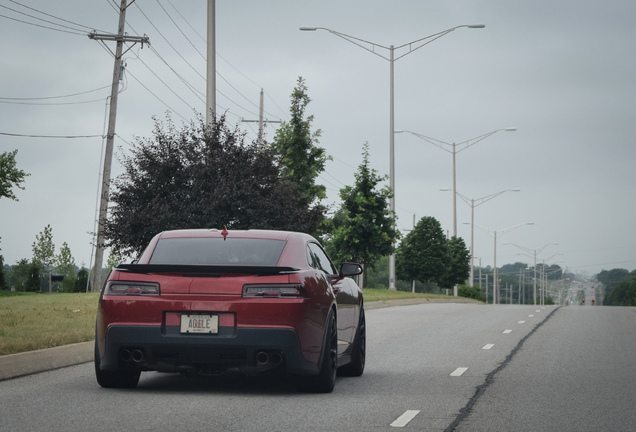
(298,156)
(366,231)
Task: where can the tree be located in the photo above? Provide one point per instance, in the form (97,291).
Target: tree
(623,293)
(43,247)
(457,263)
(10,175)
(367,226)
(26,275)
(65,265)
(298,157)
(3,284)
(422,253)
(81,280)
(201,176)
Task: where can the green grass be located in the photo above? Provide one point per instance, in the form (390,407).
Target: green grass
(373,294)
(31,321)
(35,321)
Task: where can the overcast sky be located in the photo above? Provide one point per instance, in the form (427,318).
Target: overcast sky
(562,73)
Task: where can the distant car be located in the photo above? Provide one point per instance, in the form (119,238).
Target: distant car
(231,302)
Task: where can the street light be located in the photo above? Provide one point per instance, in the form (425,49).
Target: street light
(495,285)
(452,148)
(371,47)
(474,203)
(536,251)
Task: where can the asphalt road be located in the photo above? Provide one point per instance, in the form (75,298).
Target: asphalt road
(431,367)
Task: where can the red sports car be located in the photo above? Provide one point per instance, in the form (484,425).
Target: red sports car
(223,302)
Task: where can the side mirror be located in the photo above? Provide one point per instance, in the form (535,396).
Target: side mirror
(350,269)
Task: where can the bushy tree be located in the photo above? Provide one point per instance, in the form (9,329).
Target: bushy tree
(201,176)
(623,293)
(26,275)
(422,253)
(365,229)
(457,263)
(10,175)
(81,280)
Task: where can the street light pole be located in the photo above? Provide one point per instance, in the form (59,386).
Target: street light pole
(495,285)
(452,148)
(534,252)
(471,203)
(412,46)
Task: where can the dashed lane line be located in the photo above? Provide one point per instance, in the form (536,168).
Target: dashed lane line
(405,418)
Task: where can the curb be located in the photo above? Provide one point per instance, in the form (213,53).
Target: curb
(31,362)
(27,363)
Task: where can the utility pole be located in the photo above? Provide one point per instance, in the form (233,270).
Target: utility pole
(120,38)
(261,122)
(211,66)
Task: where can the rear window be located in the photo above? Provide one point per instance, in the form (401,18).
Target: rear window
(216,251)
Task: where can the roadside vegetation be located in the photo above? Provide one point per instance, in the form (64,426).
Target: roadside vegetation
(32,321)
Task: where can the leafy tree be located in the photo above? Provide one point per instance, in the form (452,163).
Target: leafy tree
(81,280)
(201,176)
(26,275)
(422,253)
(298,157)
(623,293)
(10,175)
(43,247)
(65,265)
(366,231)
(457,263)
(473,292)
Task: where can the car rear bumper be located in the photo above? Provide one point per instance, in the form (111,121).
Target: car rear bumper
(240,349)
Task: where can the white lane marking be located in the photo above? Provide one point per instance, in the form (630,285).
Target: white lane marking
(520,322)
(507,331)
(530,316)
(405,418)
(488,346)
(539,310)
(459,371)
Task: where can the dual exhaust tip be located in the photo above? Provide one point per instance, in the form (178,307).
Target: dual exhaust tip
(136,355)
(274,358)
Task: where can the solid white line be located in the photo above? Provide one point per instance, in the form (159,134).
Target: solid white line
(507,331)
(405,418)
(459,371)
(488,346)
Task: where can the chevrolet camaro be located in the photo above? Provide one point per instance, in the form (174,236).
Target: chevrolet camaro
(231,302)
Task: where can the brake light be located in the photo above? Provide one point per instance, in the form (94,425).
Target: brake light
(131,288)
(274,291)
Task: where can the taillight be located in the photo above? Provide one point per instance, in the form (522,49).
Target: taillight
(274,291)
(131,288)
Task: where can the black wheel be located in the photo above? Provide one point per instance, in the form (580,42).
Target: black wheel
(359,355)
(126,378)
(325,381)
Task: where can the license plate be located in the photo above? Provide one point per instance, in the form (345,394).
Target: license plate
(200,324)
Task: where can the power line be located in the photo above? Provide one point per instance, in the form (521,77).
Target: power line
(52,16)
(50,136)
(41,26)
(55,97)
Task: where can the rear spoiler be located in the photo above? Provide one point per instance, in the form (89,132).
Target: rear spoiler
(205,269)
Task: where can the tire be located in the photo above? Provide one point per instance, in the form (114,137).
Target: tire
(325,381)
(126,378)
(358,358)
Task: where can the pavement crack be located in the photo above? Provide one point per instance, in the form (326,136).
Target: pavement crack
(481,389)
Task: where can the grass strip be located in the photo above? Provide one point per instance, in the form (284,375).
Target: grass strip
(33,321)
